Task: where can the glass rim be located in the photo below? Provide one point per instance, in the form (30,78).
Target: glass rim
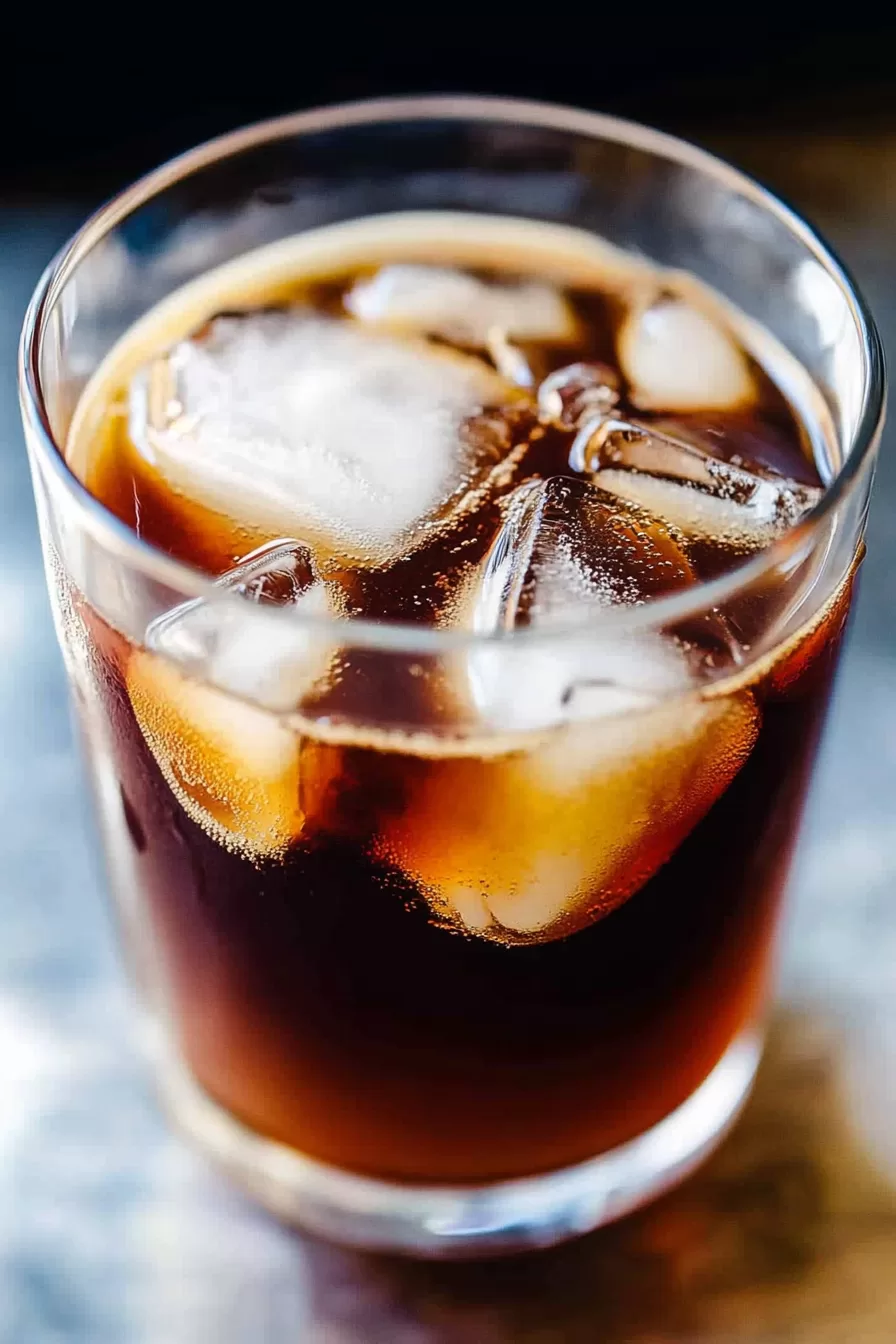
(118,539)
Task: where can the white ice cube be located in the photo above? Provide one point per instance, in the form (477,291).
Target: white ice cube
(271,659)
(678,358)
(262,647)
(523,687)
(453,304)
(289,422)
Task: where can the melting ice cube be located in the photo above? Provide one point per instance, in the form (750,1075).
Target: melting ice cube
(538,842)
(570,396)
(457,306)
(234,765)
(611,756)
(270,661)
(565,552)
(299,424)
(700,494)
(678,358)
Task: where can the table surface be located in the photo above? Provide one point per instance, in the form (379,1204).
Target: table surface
(113,1232)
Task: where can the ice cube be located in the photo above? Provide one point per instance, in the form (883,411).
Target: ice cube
(570,396)
(609,755)
(233,767)
(539,842)
(566,548)
(297,424)
(566,551)
(272,660)
(439,301)
(232,764)
(678,358)
(697,493)
(509,359)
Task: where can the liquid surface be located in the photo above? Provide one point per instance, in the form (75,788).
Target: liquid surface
(335,386)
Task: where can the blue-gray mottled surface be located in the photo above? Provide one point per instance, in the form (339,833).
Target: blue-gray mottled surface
(112,1232)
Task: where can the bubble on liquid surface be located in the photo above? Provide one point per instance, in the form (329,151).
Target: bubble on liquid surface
(678,358)
(455,305)
(356,441)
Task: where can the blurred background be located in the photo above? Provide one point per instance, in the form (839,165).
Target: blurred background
(90,103)
(110,1231)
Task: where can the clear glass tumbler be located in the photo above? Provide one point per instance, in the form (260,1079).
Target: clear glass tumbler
(356,1067)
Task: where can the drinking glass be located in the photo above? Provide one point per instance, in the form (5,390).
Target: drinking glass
(312,1025)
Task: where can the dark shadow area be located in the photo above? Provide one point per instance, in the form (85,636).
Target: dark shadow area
(90,104)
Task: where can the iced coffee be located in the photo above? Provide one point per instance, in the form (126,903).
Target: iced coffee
(501,905)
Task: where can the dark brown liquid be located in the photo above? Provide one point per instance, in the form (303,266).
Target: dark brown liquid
(320,1001)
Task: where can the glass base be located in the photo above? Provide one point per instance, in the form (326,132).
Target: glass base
(444,1222)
